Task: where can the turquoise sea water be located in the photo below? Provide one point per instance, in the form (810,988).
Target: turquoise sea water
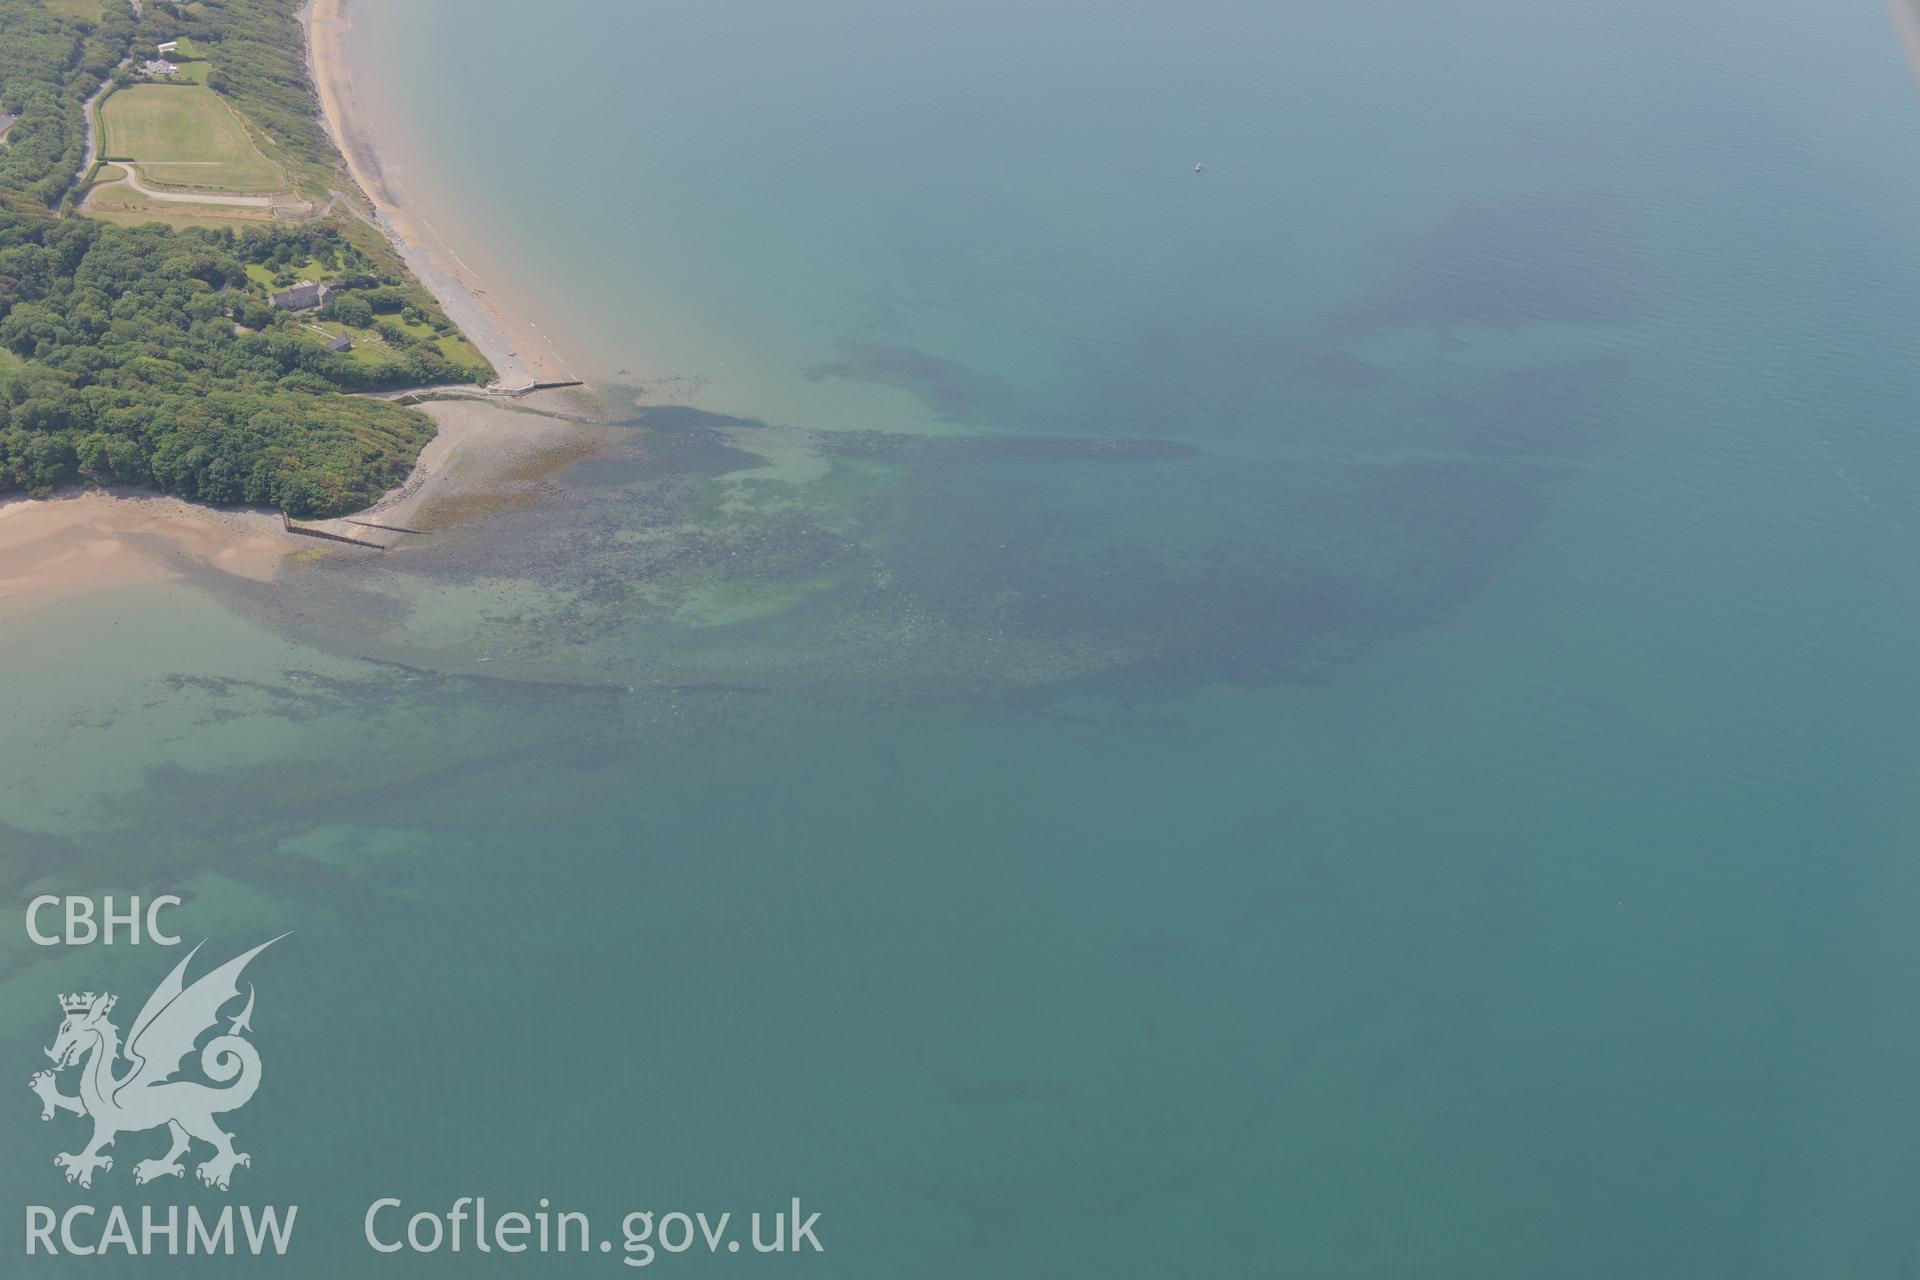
(1350,714)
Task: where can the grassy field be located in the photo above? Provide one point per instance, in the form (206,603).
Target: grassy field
(185,136)
(370,348)
(262,275)
(88,9)
(214,217)
(452,346)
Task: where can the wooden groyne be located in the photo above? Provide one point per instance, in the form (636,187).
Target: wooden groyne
(306,532)
(390,528)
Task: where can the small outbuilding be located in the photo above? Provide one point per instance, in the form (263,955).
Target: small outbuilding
(341,343)
(168,49)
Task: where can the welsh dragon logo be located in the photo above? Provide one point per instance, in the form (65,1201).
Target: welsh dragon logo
(146,1095)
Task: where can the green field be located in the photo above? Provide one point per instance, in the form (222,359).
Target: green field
(88,9)
(186,136)
(370,348)
(213,220)
(312,269)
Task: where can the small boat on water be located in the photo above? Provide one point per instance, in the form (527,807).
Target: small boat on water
(1196,168)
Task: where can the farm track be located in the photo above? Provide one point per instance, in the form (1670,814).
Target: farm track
(183,197)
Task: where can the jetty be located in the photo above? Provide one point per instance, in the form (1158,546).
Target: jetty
(527,389)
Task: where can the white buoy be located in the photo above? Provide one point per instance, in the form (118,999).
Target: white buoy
(1196,168)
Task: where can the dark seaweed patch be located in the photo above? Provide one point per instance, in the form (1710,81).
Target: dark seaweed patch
(947,387)
(680,417)
(1558,410)
(1365,505)
(885,446)
(688,449)
(1537,259)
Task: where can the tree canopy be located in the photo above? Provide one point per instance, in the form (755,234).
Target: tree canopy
(144,356)
(49,66)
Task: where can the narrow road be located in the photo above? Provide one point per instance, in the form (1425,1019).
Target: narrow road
(86,112)
(93,133)
(341,200)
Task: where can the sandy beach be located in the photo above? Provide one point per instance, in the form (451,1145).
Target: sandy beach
(520,352)
(85,541)
(483,449)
